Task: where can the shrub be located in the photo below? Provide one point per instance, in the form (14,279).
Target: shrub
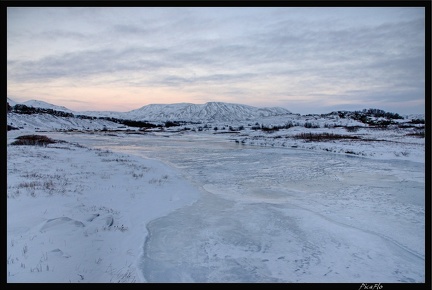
(9,128)
(417,121)
(311,125)
(269,129)
(39,140)
(420,134)
(323,136)
(352,128)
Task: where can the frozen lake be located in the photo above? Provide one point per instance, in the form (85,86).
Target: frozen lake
(281,215)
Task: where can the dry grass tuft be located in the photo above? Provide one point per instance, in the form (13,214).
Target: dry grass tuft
(39,140)
(324,136)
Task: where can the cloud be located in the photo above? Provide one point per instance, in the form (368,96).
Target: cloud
(256,52)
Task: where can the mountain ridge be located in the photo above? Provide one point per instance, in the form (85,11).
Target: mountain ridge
(41,104)
(210,111)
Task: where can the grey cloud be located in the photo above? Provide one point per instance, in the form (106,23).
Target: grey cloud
(58,35)
(393,101)
(73,101)
(227,78)
(171,81)
(327,45)
(384,96)
(357,100)
(84,64)
(129,29)
(152,60)
(188,50)
(203,80)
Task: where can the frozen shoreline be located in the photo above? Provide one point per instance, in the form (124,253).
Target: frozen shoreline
(86,212)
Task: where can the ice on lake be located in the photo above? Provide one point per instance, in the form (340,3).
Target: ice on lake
(283,215)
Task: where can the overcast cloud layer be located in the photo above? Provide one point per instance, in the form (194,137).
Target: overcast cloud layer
(308,60)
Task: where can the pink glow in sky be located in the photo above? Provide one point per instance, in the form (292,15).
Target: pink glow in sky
(307,60)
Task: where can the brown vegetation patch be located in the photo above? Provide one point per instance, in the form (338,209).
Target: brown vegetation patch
(420,134)
(39,140)
(324,136)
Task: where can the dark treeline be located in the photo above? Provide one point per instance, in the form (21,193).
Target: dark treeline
(131,123)
(365,113)
(366,116)
(23,109)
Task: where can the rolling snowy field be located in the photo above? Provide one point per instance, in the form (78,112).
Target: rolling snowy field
(204,207)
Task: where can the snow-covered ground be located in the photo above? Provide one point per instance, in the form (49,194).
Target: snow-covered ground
(373,142)
(44,122)
(78,214)
(202,207)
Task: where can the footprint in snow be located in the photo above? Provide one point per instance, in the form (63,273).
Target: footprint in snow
(92,217)
(56,223)
(60,253)
(109,220)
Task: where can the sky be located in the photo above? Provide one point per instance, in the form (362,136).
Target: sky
(304,59)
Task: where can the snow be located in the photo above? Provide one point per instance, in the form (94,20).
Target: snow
(198,207)
(114,204)
(45,105)
(376,143)
(47,122)
(78,214)
(211,111)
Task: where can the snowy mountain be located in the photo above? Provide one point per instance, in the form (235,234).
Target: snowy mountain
(39,104)
(45,105)
(211,111)
(11,102)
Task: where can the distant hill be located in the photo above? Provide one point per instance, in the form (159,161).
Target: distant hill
(211,111)
(45,105)
(11,102)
